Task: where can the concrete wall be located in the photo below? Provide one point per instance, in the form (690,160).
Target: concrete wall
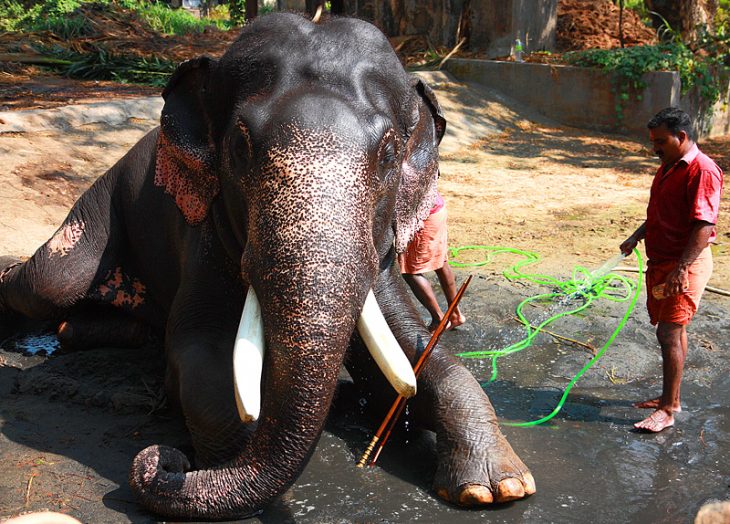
(584,97)
(709,120)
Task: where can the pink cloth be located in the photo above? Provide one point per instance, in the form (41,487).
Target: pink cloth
(438,203)
(428,249)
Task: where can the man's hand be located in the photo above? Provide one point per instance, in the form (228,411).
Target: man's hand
(677,282)
(629,245)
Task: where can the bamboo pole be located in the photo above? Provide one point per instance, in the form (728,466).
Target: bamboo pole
(386,427)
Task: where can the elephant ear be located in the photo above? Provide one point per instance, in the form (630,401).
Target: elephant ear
(186,155)
(419,170)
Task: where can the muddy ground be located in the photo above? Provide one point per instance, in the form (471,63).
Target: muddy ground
(71,424)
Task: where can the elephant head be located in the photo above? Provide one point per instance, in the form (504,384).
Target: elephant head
(312,156)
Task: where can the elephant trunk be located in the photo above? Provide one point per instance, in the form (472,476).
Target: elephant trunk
(305,346)
(311,260)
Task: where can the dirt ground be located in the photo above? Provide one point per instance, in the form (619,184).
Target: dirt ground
(509,177)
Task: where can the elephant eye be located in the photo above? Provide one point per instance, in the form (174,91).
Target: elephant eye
(388,153)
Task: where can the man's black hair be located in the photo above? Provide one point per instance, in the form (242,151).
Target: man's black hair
(675,119)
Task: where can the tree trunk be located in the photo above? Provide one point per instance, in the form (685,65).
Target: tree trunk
(252,9)
(621,22)
(683,16)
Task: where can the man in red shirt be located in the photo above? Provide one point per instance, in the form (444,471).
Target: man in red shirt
(680,224)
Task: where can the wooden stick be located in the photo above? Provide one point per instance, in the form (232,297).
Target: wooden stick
(451,53)
(561,337)
(27,489)
(386,427)
(32,58)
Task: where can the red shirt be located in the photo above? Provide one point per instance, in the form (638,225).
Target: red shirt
(689,191)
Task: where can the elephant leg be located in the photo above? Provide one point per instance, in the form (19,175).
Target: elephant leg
(101,327)
(476,464)
(199,376)
(64,269)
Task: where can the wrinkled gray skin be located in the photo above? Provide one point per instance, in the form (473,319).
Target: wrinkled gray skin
(298,163)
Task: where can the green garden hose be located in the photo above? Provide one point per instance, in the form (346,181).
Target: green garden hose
(582,284)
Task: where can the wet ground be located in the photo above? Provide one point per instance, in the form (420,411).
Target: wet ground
(72,423)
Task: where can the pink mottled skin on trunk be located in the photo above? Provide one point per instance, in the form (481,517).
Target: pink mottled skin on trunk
(65,239)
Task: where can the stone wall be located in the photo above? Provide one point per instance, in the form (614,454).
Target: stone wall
(584,97)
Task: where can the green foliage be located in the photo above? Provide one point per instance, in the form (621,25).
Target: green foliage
(62,17)
(69,19)
(639,6)
(104,65)
(165,20)
(699,68)
(237,10)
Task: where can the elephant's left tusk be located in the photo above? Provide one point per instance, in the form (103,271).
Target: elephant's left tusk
(248,358)
(385,349)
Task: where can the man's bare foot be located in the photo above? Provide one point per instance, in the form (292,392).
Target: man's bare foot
(656,422)
(433,325)
(456,319)
(654,404)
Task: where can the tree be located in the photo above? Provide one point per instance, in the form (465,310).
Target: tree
(683,16)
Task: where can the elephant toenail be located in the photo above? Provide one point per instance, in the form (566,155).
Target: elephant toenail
(510,489)
(475,495)
(65,331)
(442,493)
(529,481)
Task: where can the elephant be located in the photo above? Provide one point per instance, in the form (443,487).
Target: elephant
(257,227)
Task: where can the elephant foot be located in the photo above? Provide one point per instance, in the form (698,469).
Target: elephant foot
(101,329)
(482,476)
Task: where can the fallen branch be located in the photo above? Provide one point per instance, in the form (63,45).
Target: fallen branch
(27,489)
(452,52)
(561,337)
(30,58)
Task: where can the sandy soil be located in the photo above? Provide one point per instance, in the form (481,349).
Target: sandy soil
(509,176)
(71,424)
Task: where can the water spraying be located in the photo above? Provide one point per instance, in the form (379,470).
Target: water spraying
(583,287)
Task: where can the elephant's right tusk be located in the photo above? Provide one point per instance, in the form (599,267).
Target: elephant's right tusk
(248,359)
(385,349)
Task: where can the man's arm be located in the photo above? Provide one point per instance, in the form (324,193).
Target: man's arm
(630,243)
(677,280)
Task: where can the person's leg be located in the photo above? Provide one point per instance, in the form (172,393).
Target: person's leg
(424,293)
(673,340)
(448,284)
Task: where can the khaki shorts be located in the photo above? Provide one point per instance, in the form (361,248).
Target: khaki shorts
(678,309)
(428,249)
